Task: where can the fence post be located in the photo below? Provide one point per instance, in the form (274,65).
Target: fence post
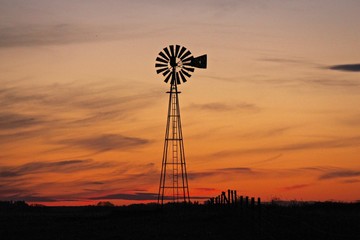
(228,197)
(235,197)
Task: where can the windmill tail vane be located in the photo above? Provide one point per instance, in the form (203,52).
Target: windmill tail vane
(176,64)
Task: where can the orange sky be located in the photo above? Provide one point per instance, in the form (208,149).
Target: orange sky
(83,112)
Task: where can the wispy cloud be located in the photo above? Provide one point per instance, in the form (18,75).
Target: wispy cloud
(270,132)
(268,160)
(66,33)
(138,196)
(326,144)
(66,166)
(351,181)
(288,61)
(39,111)
(221,172)
(223,107)
(105,142)
(10,120)
(295,187)
(352,120)
(339,174)
(333,82)
(206,189)
(84,179)
(346,67)
(126,196)
(29,198)
(69,96)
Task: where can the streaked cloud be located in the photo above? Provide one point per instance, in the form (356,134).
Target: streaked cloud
(288,61)
(30,198)
(138,196)
(333,82)
(37,112)
(85,179)
(221,172)
(66,33)
(346,67)
(270,132)
(326,144)
(339,174)
(10,120)
(353,120)
(268,160)
(126,196)
(207,189)
(223,107)
(351,181)
(66,166)
(295,187)
(105,142)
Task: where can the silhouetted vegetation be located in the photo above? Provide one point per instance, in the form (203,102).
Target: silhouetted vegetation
(13,205)
(298,220)
(105,204)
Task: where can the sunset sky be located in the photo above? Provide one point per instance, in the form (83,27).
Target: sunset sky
(275,115)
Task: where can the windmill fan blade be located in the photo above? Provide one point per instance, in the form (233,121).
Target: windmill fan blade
(166,72)
(185,55)
(187,59)
(163,55)
(182,76)
(167,52)
(183,49)
(172,50)
(159,59)
(160,65)
(177,78)
(177,48)
(188,69)
(184,72)
(161,70)
(167,78)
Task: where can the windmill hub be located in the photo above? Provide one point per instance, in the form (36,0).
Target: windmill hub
(173,62)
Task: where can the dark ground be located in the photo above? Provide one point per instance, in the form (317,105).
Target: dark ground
(307,221)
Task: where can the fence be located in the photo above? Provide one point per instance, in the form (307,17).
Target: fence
(231,199)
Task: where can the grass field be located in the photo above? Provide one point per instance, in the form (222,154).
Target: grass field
(270,221)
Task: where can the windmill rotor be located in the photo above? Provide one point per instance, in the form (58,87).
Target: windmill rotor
(176,63)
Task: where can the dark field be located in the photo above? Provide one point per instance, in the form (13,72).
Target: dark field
(306,221)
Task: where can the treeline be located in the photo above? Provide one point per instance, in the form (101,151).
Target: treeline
(13,204)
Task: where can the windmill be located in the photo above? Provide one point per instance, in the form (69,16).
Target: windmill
(176,64)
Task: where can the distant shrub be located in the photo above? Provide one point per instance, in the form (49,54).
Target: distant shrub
(105,204)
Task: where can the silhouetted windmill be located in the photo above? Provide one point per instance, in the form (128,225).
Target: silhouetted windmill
(175,63)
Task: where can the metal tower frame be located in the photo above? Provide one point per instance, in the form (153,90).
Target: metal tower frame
(174,184)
